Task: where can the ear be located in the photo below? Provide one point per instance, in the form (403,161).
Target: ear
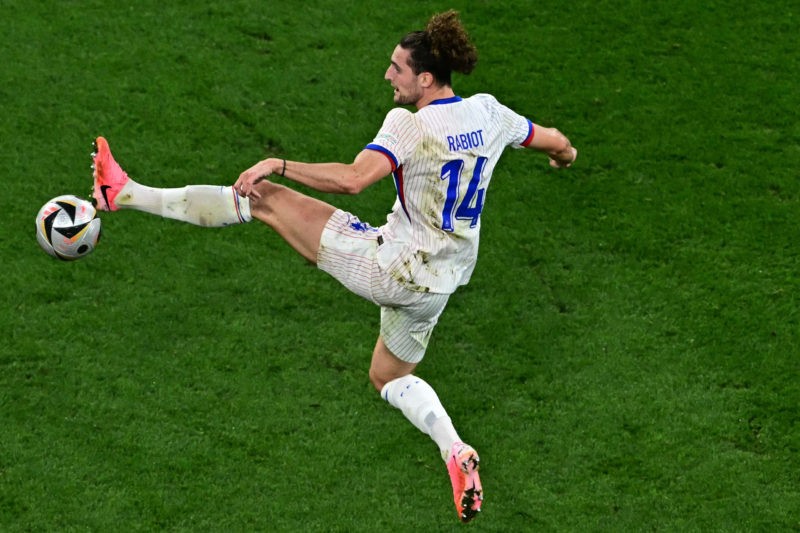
(426,79)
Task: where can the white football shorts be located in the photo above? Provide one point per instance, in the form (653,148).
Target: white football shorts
(348,252)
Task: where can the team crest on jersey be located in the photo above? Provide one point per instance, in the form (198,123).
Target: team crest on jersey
(361,226)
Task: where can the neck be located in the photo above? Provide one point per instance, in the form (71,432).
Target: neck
(445,91)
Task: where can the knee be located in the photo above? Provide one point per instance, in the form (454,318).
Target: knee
(270,194)
(261,207)
(386,367)
(380,377)
(378,381)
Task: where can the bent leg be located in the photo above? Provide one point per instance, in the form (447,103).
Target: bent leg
(298,218)
(413,396)
(421,406)
(385,367)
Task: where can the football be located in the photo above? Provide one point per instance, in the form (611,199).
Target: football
(67,227)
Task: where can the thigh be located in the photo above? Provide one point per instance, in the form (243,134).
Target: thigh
(298,218)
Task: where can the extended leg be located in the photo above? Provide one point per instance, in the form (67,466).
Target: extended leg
(298,218)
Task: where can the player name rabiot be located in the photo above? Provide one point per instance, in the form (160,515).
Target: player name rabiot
(465,141)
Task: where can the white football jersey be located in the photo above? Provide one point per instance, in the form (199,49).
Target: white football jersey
(442,161)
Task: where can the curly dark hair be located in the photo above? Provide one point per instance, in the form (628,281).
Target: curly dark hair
(442,48)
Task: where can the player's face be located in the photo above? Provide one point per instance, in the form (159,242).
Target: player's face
(407,90)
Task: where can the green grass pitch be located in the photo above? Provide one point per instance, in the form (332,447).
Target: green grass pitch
(625,358)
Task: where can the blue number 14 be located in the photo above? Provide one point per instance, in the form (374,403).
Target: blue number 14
(471,205)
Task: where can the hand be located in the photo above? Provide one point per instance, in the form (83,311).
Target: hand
(245,185)
(565,163)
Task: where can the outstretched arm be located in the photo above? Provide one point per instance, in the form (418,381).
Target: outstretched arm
(552,142)
(368,167)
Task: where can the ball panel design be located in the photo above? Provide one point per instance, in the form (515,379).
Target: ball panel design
(67,227)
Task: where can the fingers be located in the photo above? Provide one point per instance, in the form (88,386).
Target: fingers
(242,186)
(555,163)
(245,184)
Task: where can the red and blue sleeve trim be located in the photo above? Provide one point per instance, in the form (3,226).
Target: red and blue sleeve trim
(529,138)
(389,155)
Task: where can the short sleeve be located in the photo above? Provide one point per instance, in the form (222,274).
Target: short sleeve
(517,129)
(398,137)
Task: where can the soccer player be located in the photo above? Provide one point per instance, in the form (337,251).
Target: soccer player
(441,158)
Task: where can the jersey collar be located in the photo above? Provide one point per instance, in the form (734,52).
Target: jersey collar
(450,100)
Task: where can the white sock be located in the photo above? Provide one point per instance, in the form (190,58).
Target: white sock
(421,406)
(201,205)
